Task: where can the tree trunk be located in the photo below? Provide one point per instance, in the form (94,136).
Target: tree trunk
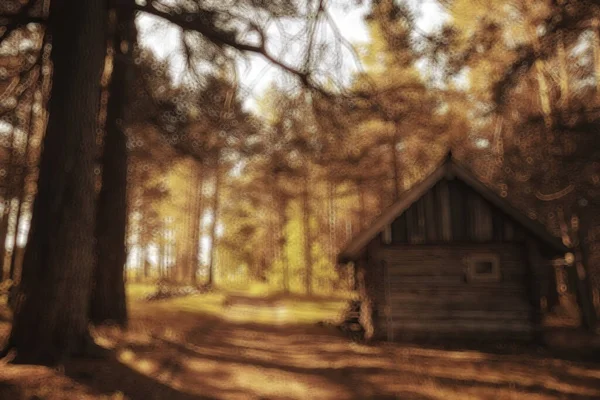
(21,185)
(362,207)
(395,167)
(279,253)
(15,238)
(171,252)
(197,225)
(190,229)
(178,269)
(596,52)
(8,197)
(332,219)
(271,254)
(108,301)
(3,232)
(543,90)
(187,234)
(162,250)
(139,264)
(307,236)
(281,241)
(564,73)
(585,270)
(181,273)
(213,225)
(144,251)
(144,236)
(51,309)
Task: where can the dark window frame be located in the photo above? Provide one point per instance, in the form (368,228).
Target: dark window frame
(495,275)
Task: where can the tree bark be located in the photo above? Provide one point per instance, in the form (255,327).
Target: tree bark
(331,219)
(22,193)
(596,52)
(197,225)
(145,233)
(3,233)
(308,261)
(188,232)
(543,90)
(178,270)
(171,251)
(362,204)
(108,302)
(15,241)
(144,252)
(585,269)
(564,73)
(281,241)
(162,249)
(395,167)
(270,254)
(8,197)
(51,308)
(213,225)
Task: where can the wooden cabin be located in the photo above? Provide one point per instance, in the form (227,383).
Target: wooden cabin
(451,258)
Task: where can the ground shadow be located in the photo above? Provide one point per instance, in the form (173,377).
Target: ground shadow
(109,376)
(268,348)
(536,349)
(184,354)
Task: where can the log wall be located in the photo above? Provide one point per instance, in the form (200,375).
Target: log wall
(423,292)
(417,284)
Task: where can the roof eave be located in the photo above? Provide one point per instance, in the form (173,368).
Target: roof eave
(535,227)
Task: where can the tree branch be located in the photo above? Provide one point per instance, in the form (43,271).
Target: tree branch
(191,22)
(12,22)
(567,19)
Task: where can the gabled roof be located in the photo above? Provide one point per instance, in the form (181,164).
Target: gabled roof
(448,169)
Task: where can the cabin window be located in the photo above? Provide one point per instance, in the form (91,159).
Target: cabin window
(483,268)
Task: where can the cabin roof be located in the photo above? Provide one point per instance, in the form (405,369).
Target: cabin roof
(450,169)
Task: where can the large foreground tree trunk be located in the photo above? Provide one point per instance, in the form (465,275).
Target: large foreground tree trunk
(108,303)
(51,309)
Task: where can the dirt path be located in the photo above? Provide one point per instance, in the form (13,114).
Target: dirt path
(179,349)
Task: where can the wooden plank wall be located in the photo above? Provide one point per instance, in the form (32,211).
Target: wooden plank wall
(376,287)
(453,212)
(429,294)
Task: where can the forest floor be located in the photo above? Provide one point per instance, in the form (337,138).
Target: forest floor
(203,347)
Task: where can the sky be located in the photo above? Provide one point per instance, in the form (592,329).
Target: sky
(256,74)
